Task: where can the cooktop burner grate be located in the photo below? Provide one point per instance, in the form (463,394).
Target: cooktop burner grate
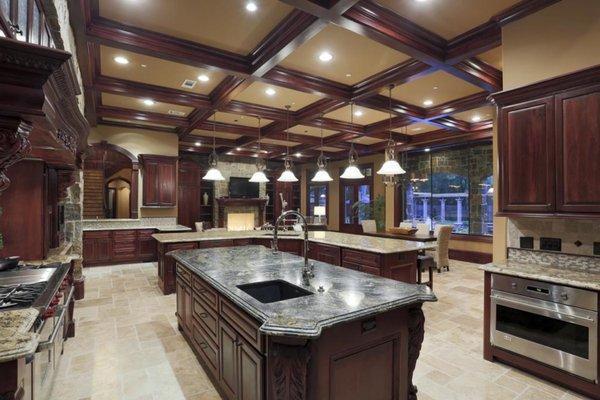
(22,295)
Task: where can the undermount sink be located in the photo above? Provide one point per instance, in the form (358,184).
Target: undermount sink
(273,291)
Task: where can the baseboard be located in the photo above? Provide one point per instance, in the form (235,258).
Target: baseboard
(470,256)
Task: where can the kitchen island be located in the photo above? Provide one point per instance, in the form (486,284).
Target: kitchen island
(391,258)
(260,334)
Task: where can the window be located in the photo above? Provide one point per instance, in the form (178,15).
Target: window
(451,187)
(317,196)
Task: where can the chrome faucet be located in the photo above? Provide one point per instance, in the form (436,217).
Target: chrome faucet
(307,270)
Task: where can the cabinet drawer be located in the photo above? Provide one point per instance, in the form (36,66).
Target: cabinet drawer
(205,292)
(207,244)
(361,257)
(243,324)
(124,234)
(145,233)
(184,274)
(96,234)
(206,316)
(206,348)
(181,246)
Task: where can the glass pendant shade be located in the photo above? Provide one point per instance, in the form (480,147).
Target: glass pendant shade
(259,177)
(352,172)
(391,167)
(213,174)
(322,176)
(287,176)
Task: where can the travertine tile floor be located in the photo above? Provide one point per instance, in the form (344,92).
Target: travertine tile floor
(127,345)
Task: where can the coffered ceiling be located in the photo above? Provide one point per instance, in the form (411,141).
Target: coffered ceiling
(243,61)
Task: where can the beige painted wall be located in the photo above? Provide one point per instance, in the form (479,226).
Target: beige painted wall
(140,141)
(559,39)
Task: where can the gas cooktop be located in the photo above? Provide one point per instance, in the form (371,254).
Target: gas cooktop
(24,286)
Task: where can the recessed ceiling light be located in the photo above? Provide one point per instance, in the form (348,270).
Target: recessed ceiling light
(203,78)
(148,102)
(198,144)
(143,65)
(475,118)
(325,56)
(238,149)
(229,153)
(251,6)
(417,129)
(427,150)
(358,113)
(427,102)
(298,155)
(348,75)
(435,88)
(121,60)
(270,91)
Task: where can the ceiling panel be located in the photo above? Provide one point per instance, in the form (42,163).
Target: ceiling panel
(236,119)
(256,93)
(362,115)
(448,18)
(416,129)
(137,103)
(145,123)
(220,135)
(355,57)
(224,24)
(367,140)
(330,149)
(157,71)
(476,114)
(279,142)
(439,87)
(311,131)
(492,57)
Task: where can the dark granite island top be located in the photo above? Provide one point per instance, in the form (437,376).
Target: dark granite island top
(315,342)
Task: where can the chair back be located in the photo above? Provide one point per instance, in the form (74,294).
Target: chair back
(369,226)
(405,225)
(443,242)
(199,226)
(423,229)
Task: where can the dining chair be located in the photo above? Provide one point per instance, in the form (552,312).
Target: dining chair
(440,254)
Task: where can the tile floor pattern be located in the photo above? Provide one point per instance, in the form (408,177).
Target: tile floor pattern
(127,345)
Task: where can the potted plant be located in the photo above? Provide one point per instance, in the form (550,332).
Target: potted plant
(372,210)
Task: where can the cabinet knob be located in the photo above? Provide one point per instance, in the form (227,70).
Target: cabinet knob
(203,315)
(564,296)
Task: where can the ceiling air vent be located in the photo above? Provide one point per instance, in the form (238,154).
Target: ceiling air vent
(177,113)
(188,84)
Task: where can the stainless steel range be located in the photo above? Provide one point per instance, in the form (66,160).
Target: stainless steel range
(553,324)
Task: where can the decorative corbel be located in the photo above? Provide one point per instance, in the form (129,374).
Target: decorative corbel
(14,145)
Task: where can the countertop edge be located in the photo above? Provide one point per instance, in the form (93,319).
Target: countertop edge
(274,330)
(502,269)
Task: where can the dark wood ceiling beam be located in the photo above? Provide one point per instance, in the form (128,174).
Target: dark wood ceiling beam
(295,29)
(157,93)
(228,128)
(128,114)
(382,103)
(397,75)
(385,125)
(316,109)
(459,105)
(476,72)
(303,82)
(444,137)
(207,141)
(255,110)
(137,126)
(450,123)
(335,125)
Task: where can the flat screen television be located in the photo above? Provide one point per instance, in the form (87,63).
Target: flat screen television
(242,189)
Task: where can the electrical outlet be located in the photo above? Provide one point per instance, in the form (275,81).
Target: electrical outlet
(526,242)
(551,244)
(597,248)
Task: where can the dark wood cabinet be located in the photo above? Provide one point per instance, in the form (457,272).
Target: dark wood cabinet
(228,372)
(146,245)
(549,147)
(578,150)
(527,152)
(325,253)
(118,246)
(190,198)
(159,180)
(97,247)
(166,264)
(184,305)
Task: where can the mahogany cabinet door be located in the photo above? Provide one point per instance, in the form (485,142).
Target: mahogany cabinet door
(167,180)
(160,180)
(188,311)
(578,150)
(180,295)
(526,145)
(228,361)
(250,372)
(150,194)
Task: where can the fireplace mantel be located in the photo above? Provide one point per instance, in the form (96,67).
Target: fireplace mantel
(225,202)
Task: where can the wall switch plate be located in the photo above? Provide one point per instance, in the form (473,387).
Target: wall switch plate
(597,248)
(526,242)
(551,244)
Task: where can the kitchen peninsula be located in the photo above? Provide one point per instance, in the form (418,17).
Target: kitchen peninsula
(259,333)
(390,258)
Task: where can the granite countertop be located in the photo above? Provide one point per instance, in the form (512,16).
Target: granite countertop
(61,254)
(90,225)
(359,242)
(549,273)
(16,340)
(348,295)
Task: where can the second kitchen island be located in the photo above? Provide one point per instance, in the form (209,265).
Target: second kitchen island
(261,334)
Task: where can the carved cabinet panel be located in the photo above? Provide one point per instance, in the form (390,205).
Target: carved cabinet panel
(160,180)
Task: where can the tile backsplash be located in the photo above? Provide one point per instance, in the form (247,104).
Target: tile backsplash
(577,236)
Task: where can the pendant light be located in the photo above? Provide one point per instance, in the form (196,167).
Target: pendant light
(390,167)
(259,176)
(213,173)
(287,175)
(322,175)
(352,171)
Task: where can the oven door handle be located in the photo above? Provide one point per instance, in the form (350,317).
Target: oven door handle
(574,315)
(46,344)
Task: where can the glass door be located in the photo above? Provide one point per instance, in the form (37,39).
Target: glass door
(354,191)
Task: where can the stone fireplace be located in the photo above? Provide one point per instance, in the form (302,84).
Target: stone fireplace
(241,221)
(241,214)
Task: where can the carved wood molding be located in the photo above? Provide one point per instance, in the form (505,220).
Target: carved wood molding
(416,332)
(288,372)
(14,145)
